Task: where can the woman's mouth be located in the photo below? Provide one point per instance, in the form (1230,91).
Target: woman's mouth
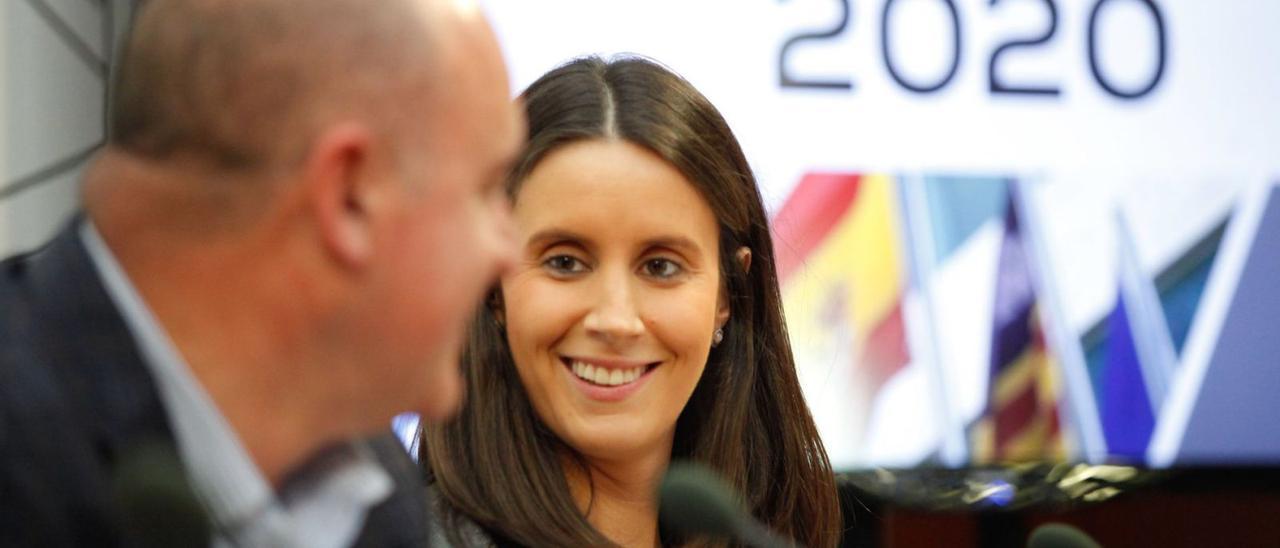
(606,376)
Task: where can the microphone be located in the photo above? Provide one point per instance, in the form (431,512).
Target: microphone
(1060,535)
(157,504)
(693,501)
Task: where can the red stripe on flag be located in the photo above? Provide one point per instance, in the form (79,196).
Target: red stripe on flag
(886,351)
(1013,417)
(1055,427)
(816,205)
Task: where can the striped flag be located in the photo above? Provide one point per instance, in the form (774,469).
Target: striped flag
(840,262)
(1021,419)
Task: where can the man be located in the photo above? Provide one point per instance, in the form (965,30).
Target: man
(298,207)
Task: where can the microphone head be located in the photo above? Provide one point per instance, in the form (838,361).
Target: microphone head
(692,501)
(1060,535)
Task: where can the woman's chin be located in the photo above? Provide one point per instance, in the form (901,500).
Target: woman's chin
(614,442)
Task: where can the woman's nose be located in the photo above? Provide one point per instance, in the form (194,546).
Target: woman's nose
(615,316)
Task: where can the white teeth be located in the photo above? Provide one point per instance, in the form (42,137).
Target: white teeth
(605,376)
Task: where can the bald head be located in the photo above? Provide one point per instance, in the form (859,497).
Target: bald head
(245,84)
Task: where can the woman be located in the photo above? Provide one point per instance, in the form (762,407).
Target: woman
(642,324)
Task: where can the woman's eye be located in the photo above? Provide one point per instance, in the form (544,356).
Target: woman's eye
(564,264)
(661,268)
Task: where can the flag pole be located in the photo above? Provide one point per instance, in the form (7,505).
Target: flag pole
(1156,355)
(922,250)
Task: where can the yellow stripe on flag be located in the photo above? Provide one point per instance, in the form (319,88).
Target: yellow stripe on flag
(1013,379)
(862,256)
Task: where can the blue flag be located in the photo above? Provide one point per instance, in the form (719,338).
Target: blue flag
(1127,417)
(1140,357)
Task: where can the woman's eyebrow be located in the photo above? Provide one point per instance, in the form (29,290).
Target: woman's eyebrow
(679,244)
(552,235)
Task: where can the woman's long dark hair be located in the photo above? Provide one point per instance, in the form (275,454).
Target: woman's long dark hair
(499,466)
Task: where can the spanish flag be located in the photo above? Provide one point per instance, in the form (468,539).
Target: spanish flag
(840,260)
(1021,419)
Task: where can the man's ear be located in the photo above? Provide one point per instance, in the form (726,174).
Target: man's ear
(722,312)
(340,187)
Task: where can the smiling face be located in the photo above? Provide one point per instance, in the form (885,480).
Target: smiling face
(611,308)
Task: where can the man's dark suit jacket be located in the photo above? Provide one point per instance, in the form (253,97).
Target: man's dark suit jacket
(75,396)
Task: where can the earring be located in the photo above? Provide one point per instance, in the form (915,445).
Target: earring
(717,337)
